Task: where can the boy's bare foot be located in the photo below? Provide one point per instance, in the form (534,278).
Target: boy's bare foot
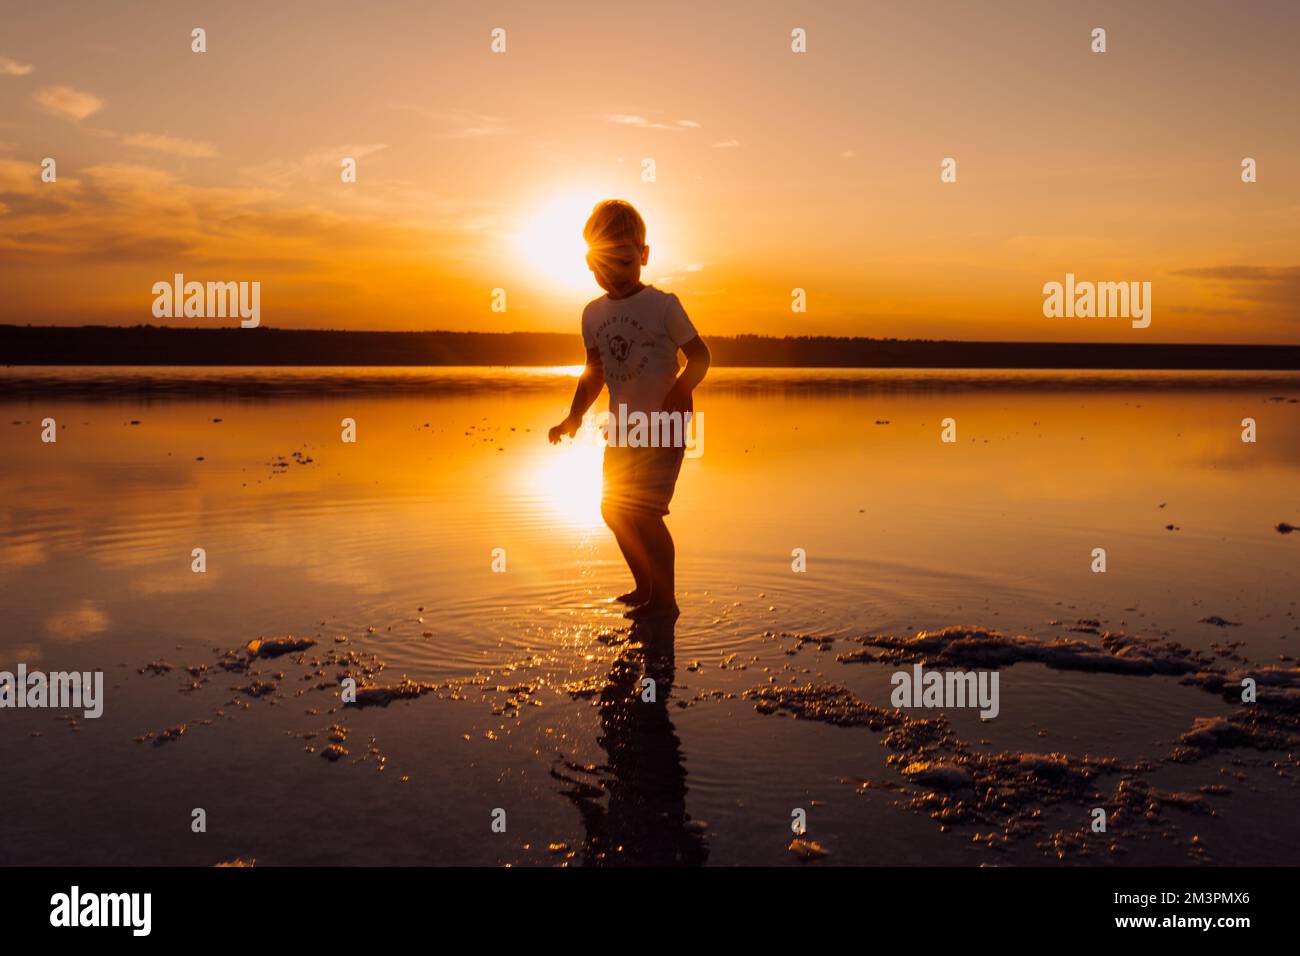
(634,597)
(653,611)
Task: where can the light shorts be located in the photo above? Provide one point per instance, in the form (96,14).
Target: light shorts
(640,481)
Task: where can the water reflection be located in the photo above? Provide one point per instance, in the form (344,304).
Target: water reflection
(633,808)
(388,542)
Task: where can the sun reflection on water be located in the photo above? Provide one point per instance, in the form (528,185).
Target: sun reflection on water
(569,478)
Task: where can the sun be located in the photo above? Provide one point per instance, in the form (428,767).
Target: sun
(550,241)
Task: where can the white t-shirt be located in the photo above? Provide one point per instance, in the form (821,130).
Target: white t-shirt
(638,339)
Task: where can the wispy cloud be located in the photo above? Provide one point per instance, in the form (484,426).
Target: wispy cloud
(727,144)
(18,178)
(468,124)
(317,167)
(161,143)
(1273,288)
(318,256)
(1239,273)
(332,155)
(643,122)
(112,213)
(69,103)
(11,67)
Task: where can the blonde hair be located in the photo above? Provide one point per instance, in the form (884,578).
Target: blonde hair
(614,222)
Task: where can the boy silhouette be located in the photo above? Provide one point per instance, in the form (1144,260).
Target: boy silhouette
(632,334)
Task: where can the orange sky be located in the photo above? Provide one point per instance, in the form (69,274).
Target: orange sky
(774,170)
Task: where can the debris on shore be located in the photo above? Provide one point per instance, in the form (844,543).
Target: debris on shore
(1011,792)
(1219,621)
(976,647)
(383,695)
(807,850)
(276,646)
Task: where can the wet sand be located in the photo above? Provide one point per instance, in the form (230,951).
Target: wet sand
(481,691)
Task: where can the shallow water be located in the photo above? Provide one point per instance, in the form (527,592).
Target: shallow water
(535,710)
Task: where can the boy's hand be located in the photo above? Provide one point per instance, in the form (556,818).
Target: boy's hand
(678,399)
(567,427)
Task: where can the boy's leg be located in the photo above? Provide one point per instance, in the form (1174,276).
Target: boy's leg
(634,553)
(661,556)
(615,507)
(660,468)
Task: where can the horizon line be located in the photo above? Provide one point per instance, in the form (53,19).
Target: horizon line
(720,337)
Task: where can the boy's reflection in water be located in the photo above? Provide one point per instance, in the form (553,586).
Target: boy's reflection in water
(634,807)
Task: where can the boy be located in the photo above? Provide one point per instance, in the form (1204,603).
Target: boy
(632,334)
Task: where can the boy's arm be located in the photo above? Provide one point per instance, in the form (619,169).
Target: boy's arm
(697,366)
(590,382)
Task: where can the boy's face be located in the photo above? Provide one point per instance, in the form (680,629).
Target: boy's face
(618,268)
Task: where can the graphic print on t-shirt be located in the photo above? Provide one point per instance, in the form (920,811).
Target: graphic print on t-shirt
(618,347)
(625,341)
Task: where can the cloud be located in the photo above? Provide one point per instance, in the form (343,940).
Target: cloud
(727,144)
(333,155)
(467,124)
(69,103)
(1240,273)
(186,148)
(476,131)
(23,554)
(119,222)
(321,166)
(11,67)
(19,178)
(632,119)
(1274,289)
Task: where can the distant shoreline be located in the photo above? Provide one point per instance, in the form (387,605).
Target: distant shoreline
(166,346)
